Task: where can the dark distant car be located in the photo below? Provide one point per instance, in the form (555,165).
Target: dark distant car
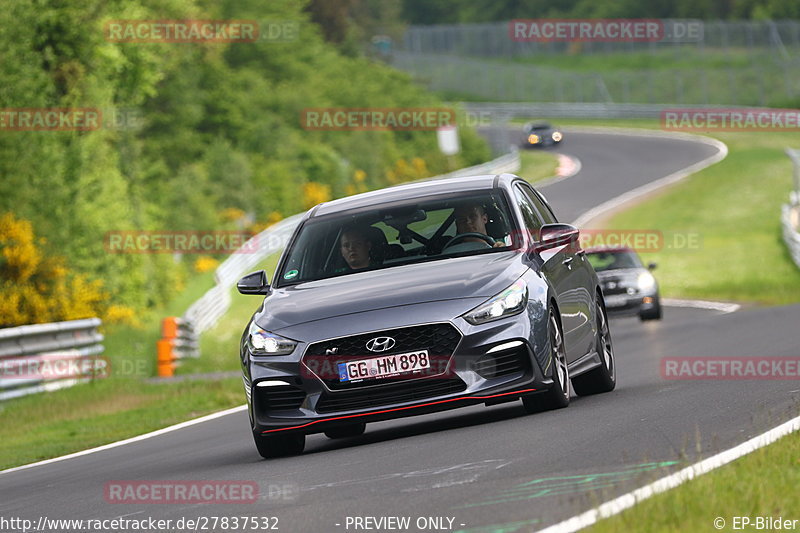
(541,134)
(628,287)
(420,298)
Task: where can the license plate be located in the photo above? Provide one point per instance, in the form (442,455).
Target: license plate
(616,301)
(382,367)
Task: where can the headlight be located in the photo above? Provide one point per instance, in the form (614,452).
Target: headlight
(533,139)
(263,342)
(646,281)
(509,302)
(556,136)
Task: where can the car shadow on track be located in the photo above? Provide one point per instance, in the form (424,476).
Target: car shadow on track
(479,416)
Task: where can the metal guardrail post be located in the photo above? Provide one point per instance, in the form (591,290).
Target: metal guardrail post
(178,341)
(794,155)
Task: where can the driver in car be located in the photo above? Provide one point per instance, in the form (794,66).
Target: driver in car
(355,246)
(472,218)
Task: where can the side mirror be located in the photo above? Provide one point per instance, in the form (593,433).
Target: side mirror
(255,283)
(651,266)
(555,235)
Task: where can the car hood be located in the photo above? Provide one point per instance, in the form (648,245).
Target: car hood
(447,279)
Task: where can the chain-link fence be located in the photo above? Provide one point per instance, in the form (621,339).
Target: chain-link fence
(735,63)
(728,38)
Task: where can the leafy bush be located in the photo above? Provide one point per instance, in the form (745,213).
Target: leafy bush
(218,133)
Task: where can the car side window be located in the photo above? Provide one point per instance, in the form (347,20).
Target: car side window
(532,220)
(541,207)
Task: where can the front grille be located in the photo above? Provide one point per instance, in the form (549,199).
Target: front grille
(279,398)
(439,339)
(500,364)
(394,393)
(614,286)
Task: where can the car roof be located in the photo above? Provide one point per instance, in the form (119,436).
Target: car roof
(430,187)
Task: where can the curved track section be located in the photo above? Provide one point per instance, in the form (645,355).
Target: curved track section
(477,469)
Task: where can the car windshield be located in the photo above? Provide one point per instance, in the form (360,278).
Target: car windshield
(396,234)
(613,259)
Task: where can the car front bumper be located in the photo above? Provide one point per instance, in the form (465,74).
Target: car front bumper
(623,304)
(492,363)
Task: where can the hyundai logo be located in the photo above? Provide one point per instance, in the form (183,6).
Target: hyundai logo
(380,344)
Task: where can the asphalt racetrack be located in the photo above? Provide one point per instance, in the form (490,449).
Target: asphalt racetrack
(478,468)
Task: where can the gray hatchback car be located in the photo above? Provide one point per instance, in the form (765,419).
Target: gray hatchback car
(420,298)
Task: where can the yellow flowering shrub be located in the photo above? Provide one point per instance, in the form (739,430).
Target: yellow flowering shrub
(19,257)
(315,193)
(121,314)
(35,288)
(205,263)
(231,214)
(403,171)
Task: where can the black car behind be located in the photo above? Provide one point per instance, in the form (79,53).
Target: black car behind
(629,287)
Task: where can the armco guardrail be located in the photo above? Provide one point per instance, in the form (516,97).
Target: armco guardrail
(790,218)
(508,110)
(206,311)
(790,213)
(42,357)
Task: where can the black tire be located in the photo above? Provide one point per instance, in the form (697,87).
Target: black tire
(557,396)
(343,432)
(279,445)
(604,377)
(653,314)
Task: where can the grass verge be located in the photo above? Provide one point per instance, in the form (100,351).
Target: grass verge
(721,226)
(537,165)
(760,484)
(60,422)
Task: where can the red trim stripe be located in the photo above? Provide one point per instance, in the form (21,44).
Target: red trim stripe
(401,409)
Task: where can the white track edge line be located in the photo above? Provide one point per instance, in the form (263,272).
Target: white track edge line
(577,166)
(626,501)
(137,438)
(661,182)
(725,307)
